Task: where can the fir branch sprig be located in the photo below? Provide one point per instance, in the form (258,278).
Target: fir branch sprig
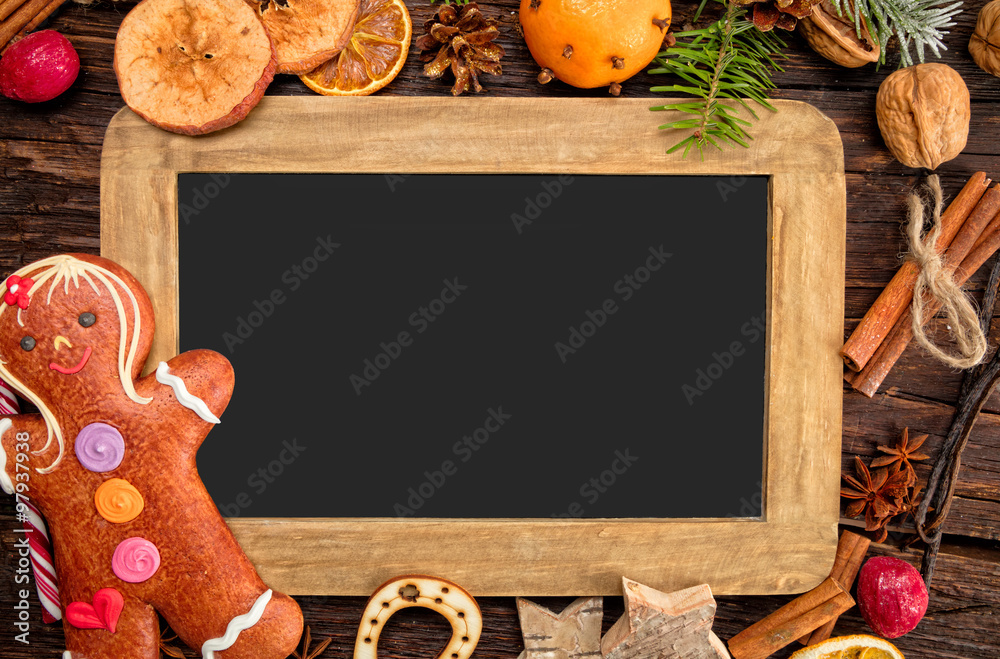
(730,59)
(921,23)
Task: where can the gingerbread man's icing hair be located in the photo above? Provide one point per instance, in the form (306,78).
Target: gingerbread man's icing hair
(112,466)
(68,270)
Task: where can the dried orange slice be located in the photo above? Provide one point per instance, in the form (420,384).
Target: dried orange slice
(193,66)
(856,646)
(374,55)
(306,33)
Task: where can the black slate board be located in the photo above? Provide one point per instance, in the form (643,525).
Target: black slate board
(505,346)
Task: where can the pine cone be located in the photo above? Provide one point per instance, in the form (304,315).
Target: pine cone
(464,43)
(768,14)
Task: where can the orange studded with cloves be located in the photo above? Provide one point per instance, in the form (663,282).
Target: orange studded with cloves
(594,43)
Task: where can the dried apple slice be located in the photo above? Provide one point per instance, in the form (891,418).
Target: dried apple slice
(307,33)
(193,66)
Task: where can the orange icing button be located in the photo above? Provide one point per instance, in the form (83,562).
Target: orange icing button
(118,501)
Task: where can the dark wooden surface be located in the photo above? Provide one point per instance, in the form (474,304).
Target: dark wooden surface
(49,196)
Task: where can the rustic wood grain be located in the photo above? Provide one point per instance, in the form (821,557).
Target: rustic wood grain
(44,211)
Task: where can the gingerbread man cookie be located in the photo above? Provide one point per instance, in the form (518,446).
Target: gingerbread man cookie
(110,461)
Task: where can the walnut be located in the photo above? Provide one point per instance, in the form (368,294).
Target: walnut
(836,38)
(985,42)
(923,113)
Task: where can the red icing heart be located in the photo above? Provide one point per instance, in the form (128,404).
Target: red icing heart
(102,614)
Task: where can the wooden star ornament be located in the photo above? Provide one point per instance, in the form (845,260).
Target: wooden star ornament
(573,634)
(675,625)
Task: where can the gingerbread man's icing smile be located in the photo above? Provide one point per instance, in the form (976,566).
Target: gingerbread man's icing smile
(112,467)
(60,340)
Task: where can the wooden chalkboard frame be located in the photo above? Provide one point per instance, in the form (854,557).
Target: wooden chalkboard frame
(789,549)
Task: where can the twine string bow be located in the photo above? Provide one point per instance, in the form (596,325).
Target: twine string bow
(935,282)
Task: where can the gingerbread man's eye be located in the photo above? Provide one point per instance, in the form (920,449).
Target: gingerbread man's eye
(87,319)
(28,343)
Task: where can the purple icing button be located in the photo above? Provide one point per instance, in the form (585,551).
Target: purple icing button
(100,447)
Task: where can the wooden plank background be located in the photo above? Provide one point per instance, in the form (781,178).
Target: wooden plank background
(49,196)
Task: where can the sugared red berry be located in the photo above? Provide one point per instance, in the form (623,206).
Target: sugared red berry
(39,67)
(891,595)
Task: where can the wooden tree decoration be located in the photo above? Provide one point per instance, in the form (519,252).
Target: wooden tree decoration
(674,625)
(573,634)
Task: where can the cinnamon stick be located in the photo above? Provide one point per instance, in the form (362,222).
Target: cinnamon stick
(969,235)
(851,552)
(845,548)
(42,16)
(896,296)
(7,7)
(871,376)
(19,19)
(800,616)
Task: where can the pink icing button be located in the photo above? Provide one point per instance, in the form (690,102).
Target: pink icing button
(135,560)
(100,447)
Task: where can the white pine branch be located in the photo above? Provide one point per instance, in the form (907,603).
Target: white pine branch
(920,23)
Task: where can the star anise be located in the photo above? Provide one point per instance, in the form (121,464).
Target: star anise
(769,14)
(464,43)
(911,502)
(306,653)
(879,494)
(900,455)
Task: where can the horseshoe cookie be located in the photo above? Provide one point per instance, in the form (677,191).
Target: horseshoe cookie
(447,598)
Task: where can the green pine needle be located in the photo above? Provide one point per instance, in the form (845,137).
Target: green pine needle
(920,23)
(728,60)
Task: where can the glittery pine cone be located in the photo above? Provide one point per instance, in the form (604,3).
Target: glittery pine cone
(769,14)
(461,40)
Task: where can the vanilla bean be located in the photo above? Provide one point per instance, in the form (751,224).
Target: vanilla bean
(986,307)
(977,386)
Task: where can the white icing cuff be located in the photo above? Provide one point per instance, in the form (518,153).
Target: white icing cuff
(236,625)
(5,482)
(188,400)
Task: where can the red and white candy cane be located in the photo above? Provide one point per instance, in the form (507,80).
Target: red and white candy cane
(8,401)
(40,547)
